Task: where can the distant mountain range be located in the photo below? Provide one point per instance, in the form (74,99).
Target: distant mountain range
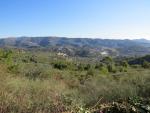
(81,46)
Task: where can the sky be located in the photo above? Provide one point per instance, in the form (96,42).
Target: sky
(115,19)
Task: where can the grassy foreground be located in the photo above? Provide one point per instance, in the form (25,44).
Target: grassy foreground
(39,84)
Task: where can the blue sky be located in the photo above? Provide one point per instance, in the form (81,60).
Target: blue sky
(75,18)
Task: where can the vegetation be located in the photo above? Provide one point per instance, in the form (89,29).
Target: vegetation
(83,47)
(43,82)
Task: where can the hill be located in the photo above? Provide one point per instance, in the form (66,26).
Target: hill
(83,47)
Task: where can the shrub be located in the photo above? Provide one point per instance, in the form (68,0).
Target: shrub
(14,68)
(146,64)
(87,67)
(111,68)
(124,64)
(33,59)
(5,53)
(34,71)
(80,67)
(99,66)
(90,72)
(107,60)
(60,65)
(104,70)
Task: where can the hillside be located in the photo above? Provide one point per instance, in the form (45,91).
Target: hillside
(44,82)
(83,47)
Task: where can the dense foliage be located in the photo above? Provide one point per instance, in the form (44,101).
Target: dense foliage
(44,82)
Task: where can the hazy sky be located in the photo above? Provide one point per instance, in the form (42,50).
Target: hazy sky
(75,18)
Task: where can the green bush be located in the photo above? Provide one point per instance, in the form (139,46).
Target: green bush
(90,72)
(80,67)
(14,68)
(34,71)
(125,64)
(60,65)
(146,64)
(111,68)
(5,53)
(87,67)
(99,66)
(104,70)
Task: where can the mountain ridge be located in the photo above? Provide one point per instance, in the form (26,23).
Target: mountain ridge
(89,45)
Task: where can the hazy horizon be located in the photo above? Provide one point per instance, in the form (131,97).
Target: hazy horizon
(77,37)
(115,19)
